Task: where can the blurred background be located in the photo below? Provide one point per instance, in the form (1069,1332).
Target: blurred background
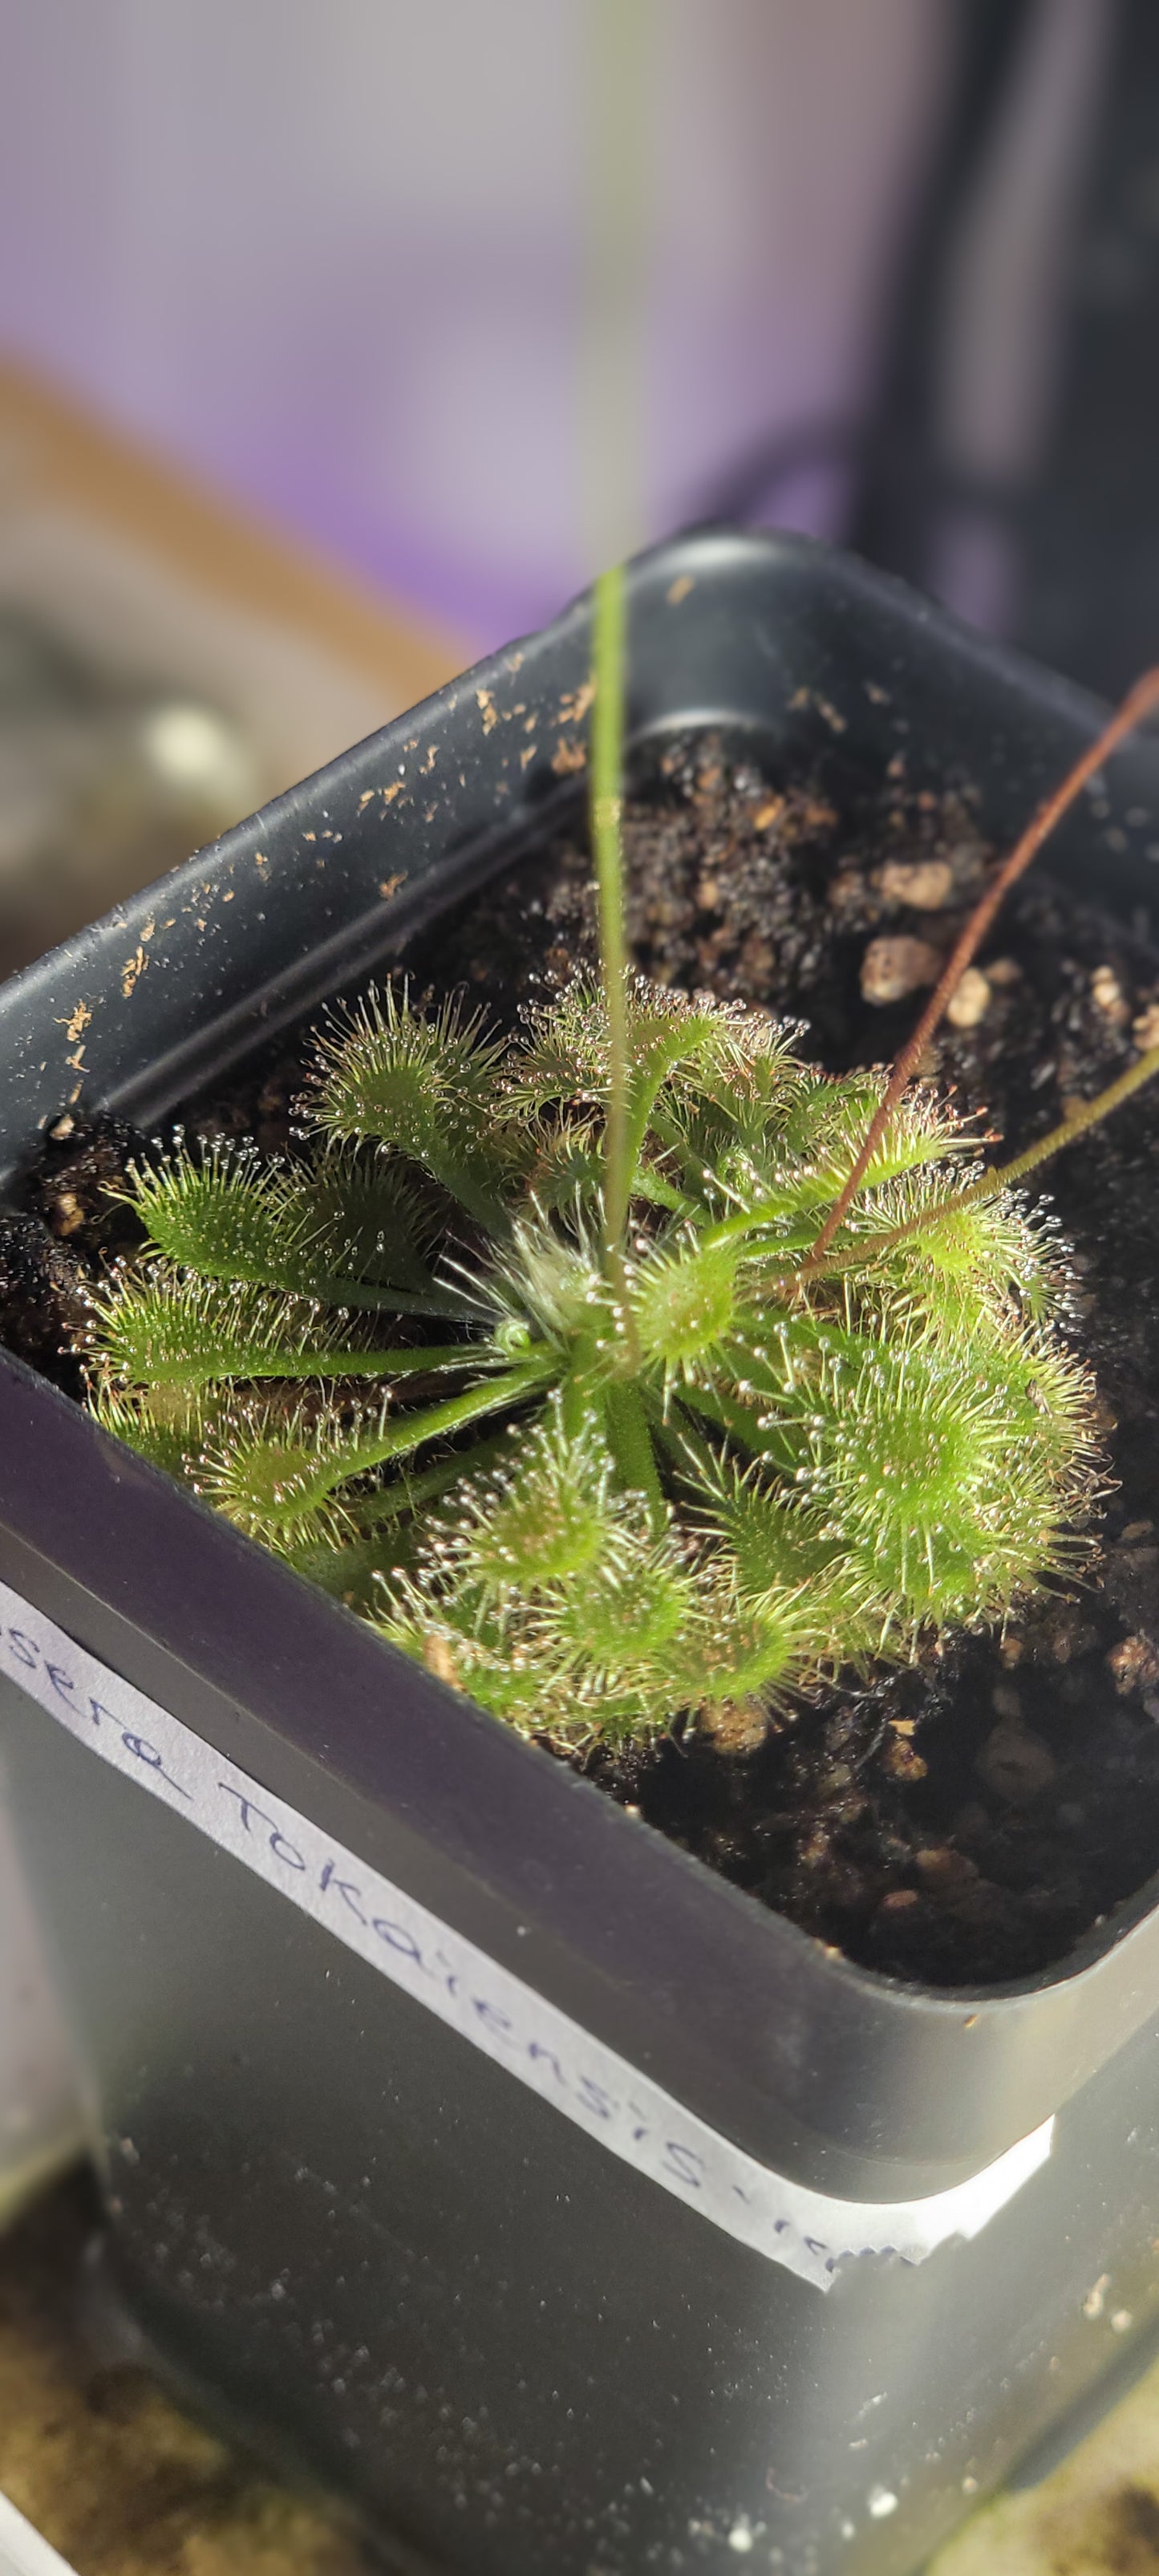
(290,324)
(292,356)
(901,284)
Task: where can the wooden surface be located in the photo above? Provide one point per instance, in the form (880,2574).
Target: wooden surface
(127,590)
(56,451)
(101,2464)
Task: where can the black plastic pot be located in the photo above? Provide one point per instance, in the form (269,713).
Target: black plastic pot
(500,2220)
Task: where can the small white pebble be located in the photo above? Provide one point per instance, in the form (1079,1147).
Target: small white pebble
(971,1001)
(740,2538)
(1107,995)
(881,2502)
(893,968)
(1096,2298)
(1122,2321)
(927,884)
(1015,1763)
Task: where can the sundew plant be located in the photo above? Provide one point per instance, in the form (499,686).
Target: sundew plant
(627,1366)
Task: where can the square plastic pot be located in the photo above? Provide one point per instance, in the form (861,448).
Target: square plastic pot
(463,2140)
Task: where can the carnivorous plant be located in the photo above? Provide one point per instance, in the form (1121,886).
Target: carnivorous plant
(622,1367)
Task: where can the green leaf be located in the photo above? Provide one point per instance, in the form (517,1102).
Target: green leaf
(428,1089)
(170,1434)
(164,1328)
(684,1301)
(278,1476)
(345,1232)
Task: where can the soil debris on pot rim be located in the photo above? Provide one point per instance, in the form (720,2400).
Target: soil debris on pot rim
(965,1820)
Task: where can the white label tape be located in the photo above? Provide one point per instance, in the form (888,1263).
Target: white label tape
(808,2231)
(22,2551)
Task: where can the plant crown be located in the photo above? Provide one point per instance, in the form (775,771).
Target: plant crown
(595,1492)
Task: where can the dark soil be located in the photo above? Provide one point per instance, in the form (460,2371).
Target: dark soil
(965,1821)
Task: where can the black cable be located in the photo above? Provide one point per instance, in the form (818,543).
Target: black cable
(893,511)
(897,486)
